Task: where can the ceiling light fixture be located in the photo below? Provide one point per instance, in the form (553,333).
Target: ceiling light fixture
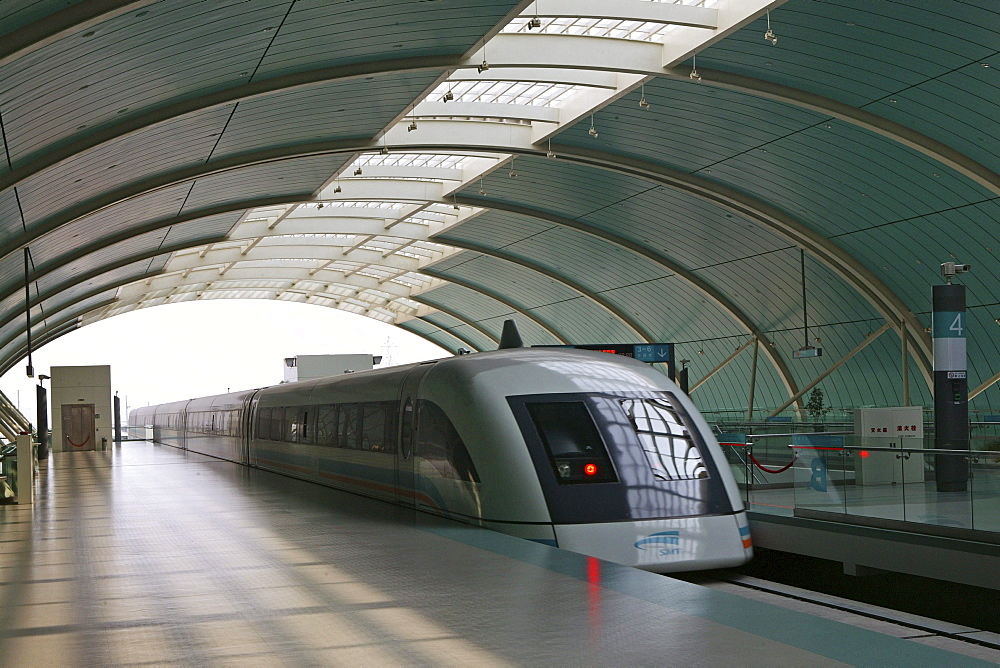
(454,199)
(694,69)
(319,205)
(534,23)
(358,172)
(512,174)
(485,66)
(338,188)
(412,126)
(448,96)
(769,35)
(482,189)
(549,153)
(592,131)
(643,104)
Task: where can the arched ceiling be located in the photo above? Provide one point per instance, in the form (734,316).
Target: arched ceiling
(602,171)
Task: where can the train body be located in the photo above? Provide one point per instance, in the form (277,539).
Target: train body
(586,451)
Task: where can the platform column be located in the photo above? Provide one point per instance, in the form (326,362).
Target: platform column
(25,469)
(951,390)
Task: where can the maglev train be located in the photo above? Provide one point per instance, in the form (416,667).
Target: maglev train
(591,452)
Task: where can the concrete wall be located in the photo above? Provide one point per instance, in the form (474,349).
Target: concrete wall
(309,367)
(81,385)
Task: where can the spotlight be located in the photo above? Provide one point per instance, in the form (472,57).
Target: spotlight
(512,174)
(643,104)
(550,153)
(412,126)
(448,96)
(385,150)
(320,205)
(338,189)
(485,66)
(592,132)
(534,23)
(694,69)
(357,172)
(769,35)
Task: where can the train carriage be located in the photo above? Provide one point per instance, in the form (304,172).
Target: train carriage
(586,451)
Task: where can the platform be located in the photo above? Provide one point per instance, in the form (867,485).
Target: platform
(147,554)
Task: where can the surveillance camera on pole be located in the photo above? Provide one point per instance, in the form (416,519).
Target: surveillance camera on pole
(949,269)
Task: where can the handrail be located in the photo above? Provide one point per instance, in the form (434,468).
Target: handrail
(934,451)
(803,433)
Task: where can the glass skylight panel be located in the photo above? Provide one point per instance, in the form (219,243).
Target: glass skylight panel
(312,235)
(367,204)
(529,93)
(408,160)
(619,28)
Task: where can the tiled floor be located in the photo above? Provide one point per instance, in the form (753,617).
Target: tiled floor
(148,555)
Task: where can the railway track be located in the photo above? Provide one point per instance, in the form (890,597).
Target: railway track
(966,640)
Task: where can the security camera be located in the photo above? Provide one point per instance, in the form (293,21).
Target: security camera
(950,268)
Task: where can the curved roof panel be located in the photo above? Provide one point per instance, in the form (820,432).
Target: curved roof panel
(619,171)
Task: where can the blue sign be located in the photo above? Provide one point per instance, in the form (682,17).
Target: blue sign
(654,352)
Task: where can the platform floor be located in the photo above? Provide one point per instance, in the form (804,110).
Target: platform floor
(145,554)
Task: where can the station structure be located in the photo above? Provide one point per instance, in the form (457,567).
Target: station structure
(770,186)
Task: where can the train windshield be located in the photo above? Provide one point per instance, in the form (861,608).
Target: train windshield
(572,442)
(665,438)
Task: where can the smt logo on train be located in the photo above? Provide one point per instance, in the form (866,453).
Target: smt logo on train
(658,540)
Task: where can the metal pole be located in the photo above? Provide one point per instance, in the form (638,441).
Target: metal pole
(753,380)
(904,347)
(27,309)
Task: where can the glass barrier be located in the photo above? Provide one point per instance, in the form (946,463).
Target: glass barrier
(984,483)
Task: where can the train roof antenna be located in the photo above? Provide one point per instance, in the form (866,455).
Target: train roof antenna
(510,337)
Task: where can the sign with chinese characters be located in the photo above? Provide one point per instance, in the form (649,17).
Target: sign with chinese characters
(894,422)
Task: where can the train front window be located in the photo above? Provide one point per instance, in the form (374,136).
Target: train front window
(572,442)
(666,439)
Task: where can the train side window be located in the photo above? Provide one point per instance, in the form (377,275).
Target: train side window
(373,430)
(349,417)
(326,425)
(406,433)
(264,423)
(666,439)
(277,423)
(439,443)
(572,442)
(291,426)
(304,433)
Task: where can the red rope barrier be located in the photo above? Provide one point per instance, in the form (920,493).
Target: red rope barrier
(74,444)
(767,470)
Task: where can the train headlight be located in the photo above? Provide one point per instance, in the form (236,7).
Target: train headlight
(564,470)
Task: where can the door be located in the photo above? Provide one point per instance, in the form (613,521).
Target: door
(406,485)
(79,432)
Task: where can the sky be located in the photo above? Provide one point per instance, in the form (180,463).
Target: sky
(180,351)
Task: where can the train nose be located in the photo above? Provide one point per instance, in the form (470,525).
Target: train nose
(663,546)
